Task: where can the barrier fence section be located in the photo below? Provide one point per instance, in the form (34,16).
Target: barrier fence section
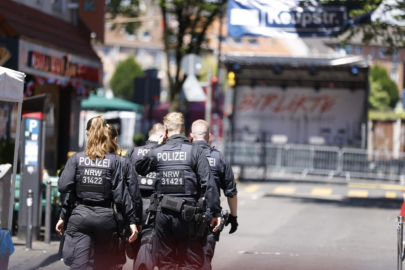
(260,161)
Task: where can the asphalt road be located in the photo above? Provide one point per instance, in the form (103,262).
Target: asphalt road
(284,231)
(309,234)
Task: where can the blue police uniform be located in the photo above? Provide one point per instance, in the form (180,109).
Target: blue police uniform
(97,184)
(143,257)
(183,177)
(224,180)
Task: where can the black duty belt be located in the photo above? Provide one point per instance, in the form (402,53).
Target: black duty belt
(106,204)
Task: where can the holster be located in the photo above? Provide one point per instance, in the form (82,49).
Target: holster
(153,207)
(119,238)
(171,203)
(188,212)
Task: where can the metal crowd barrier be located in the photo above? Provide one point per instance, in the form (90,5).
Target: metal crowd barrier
(258,161)
(400,237)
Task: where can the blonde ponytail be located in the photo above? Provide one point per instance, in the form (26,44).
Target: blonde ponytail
(98,143)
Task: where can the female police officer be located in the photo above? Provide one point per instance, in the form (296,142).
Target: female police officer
(94,176)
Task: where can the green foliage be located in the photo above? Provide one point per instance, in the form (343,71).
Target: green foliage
(209,68)
(187,35)
(383,91)
(381,31)
(379,99)
(122,82)
(138,139)
(129,9)
(186,22)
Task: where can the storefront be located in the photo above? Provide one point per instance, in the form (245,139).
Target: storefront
(59,61)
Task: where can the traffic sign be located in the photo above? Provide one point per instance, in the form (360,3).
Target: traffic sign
(192,90)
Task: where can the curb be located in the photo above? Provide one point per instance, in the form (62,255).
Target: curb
(336,198)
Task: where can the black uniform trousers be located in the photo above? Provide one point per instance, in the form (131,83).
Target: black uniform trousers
(173,246)
(144,254)
(88,238)
(209,250)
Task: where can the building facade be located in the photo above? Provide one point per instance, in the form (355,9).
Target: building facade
(57,57)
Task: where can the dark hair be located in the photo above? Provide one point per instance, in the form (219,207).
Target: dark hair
(113,133)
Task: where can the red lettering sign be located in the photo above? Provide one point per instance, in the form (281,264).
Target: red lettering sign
(278,103)
(62,67)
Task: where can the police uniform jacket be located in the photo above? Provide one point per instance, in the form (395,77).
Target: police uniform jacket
(101,182)
(147,184)
(182,171)
(221,169)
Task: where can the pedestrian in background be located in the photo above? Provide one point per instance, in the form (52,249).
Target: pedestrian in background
(94,176)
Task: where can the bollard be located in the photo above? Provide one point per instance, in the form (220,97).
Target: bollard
(48,213)
(400,236)
(28,244)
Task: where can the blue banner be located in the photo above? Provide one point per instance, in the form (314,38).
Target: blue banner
(283,18)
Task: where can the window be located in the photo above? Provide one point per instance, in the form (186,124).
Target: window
(382,52)
(237,41)
(394,56)
(358,49)
(348,49)
(59,6)
(146,36)
(394,74)
(372,52)
(106,50)
(253,42)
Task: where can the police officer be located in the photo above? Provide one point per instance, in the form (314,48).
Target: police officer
(143,249)
(95,177)
(224,179)
(183,179)
(134,192)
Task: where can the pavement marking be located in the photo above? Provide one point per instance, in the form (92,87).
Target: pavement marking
(252,188)
(375,186)
(321,191)
(260,253)
(284,190)
(390,195)
(358,193)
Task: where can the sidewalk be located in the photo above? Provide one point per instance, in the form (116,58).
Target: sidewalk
(39,257)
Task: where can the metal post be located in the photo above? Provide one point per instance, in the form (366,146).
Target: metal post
(28,244)
(208,104)
(400,236)
(48,213)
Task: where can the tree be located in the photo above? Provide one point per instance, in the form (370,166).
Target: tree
(185,25)
(380,21)
(186,35)
(122,82)
(383,91)
(127,8)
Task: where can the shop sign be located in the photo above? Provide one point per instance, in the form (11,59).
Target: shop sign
(62,66)
(45,62)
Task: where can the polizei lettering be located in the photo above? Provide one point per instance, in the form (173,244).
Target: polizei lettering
(86,161)
(211,161)
(142,152)
(172,156)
